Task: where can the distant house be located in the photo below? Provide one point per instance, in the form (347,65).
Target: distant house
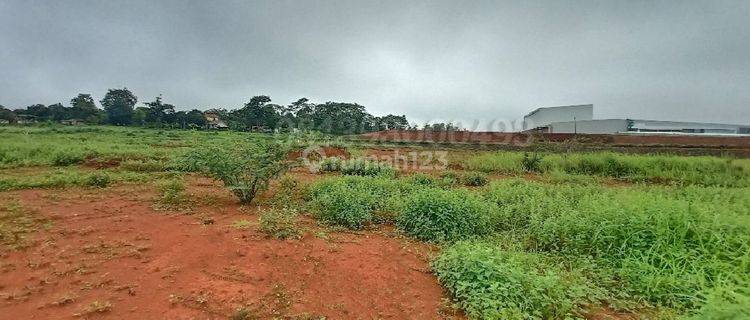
(72,122)
(26,118)
(214,122)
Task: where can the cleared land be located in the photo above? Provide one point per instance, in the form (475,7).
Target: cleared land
(105,222)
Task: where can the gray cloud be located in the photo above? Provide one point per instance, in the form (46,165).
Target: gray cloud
(448,60)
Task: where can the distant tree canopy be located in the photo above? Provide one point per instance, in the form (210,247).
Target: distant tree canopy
(439,126)
(118,104)
(258,114)
(7,115)
(84,108)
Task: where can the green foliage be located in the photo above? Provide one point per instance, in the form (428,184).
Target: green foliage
(363,167)
(438,215)
(531,163)
(66,177)
(357,167)
(422,179)
(245,168)
(683,170)
(353,202)
(450,177)
(66,158)
(725,303)
(330,164)
(475,179)
(489,283)
(172,195)
(287,193)
(280,223)
(143,165)
(669,247)
(118,104)
(98,180)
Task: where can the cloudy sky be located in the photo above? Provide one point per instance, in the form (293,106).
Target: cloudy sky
(436,60)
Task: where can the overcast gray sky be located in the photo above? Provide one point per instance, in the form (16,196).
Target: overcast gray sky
(436,60)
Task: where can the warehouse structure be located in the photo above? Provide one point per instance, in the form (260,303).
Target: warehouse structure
(579,119)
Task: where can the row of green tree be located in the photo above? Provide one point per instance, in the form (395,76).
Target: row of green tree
(258,114)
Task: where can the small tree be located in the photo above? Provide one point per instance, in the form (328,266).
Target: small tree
(118,104)
(245,168)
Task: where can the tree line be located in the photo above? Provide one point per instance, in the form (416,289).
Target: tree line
(258,114)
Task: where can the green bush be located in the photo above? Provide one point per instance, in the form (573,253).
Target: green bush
(450,177)
(422,179)
(279,223)
(98,180)
(363,167)
(489,283)
(439,215)
(683,170)
(66,158)
(143,165)
(475,179)
(667,247)
(531,163)
(245,167)
(172,195)
(353,202)
(330,164)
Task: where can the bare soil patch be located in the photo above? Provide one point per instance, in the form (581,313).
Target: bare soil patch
(110,255)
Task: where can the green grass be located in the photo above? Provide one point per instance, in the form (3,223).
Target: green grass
(138,149)
(666,169)
(353,202)
(668,246)
(438,215)
(490,283)
(70,177)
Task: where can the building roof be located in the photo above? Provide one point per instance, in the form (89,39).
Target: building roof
(555,107)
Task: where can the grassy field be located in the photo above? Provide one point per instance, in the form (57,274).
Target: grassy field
(520,236)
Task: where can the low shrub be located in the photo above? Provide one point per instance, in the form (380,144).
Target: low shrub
(143,165)
(98,180)
(279,223)
(245,167)
(439,215)
(668,247)
(531,163)
(172,195)
(363,167)
(422,179)
(67,157)
(475,179)
(450,177)
(330,164)
(353,202)
(489,283)
(287,192)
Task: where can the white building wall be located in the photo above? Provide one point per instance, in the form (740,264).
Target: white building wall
(676,126)
(542,117)
(590,126)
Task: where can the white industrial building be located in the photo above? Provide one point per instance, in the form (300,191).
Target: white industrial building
(579,119)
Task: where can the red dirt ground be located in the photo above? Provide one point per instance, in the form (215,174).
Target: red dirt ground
(112,247)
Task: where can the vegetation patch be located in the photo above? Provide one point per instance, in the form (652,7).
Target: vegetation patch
(353,202)
(682,170)
(489,283)
(245,168)
(671,247)
(280,223)
(439,215)
(172,196)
